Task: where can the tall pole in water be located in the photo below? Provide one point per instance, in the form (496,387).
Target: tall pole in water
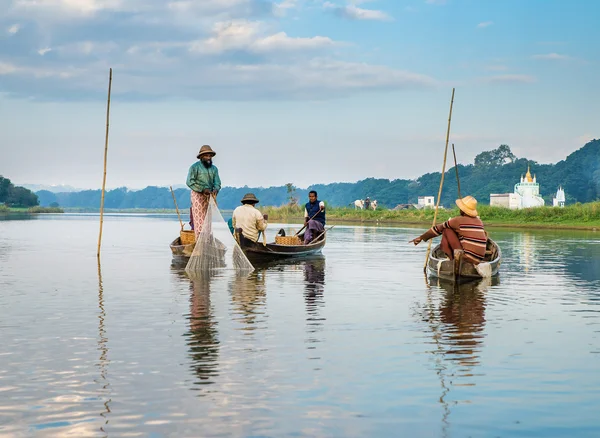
(105,157)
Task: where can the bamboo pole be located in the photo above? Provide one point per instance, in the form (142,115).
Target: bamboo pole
(176,208)
(105,156)
(456,168)
(437,204)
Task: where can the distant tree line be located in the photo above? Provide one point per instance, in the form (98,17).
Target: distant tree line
(495,171)
(15,196)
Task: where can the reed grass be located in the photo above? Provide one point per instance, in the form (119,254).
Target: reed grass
(39,209)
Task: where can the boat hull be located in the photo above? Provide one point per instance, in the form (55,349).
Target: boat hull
(257,250)
(438,266)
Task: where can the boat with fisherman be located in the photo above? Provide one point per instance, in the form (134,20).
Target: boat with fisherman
(440,266)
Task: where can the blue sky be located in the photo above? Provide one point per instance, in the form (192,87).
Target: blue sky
(302,91)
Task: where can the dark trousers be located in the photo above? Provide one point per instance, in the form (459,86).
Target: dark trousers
(450,242)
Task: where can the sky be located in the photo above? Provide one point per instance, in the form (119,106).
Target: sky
(300,91)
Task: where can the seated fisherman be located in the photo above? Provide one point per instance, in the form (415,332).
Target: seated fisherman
(462,234)
(314,217)
(248,218)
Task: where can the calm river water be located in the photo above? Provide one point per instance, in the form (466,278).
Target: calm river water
(351,344)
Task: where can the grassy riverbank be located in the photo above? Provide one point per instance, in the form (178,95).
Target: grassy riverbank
(584,216)
(5,209)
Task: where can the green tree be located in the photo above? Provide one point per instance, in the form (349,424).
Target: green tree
(496,157)
(291,193)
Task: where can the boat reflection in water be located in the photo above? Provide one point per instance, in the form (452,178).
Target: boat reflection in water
(455,313)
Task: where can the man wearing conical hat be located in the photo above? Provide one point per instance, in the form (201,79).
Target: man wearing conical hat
(249,218)
(462,234)
(203,179)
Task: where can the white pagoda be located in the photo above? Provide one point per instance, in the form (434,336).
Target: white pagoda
(559,199)
(529,191)
(526,194)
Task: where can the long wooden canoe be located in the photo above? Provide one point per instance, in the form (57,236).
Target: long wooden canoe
(277,251)
(439,266)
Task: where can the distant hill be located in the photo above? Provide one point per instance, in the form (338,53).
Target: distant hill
(495,171)
(51,188)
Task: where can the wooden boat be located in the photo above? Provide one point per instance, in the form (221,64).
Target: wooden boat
(439,266)
(257,250)
(182,253)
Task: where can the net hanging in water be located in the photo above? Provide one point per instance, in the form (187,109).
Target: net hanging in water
(216,248)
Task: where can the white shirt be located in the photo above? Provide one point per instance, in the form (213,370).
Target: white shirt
(321,205)
(250,220)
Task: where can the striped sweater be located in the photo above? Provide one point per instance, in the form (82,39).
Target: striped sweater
(470,232)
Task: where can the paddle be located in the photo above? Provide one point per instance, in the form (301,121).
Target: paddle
(176,208)
(307,222)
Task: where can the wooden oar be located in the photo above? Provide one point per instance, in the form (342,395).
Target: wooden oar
(307,222)
(323,232)
(176,208)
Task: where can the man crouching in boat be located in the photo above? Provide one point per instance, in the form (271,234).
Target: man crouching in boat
(314,217)
(203,179)
(248,218)
(463,235)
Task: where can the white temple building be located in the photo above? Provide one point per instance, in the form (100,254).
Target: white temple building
(559,199)
(526,194)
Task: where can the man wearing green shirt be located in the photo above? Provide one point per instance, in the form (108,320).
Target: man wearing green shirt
(203,179)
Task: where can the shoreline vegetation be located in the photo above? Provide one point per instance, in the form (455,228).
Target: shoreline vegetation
(576,216)
(37,209)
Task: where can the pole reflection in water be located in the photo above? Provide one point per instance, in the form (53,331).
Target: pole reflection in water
(456,317)
(202,337)
(314,286)
(103,348)
(248,299)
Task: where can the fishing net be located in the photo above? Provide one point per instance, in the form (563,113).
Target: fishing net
(216,248)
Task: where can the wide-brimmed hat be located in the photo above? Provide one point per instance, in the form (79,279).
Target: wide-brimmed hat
(468,205)
(249,197)
(206,149)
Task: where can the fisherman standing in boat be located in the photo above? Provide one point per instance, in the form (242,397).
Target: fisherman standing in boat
(314,217)
(203,179)
(462,236)
(248,218)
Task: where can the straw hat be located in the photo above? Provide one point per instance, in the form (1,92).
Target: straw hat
(206,149)
(249,197)
(468,205)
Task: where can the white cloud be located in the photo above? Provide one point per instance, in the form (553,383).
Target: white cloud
(6,68)
(353,12)
(552,57)
(13,29)
(209,49)
(510,78)
(70,7)
(247,35)
(40,73)
(484,24)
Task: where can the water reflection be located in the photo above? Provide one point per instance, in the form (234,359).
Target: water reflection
(248,299)
(455,314)
(202,336)
(314,286)
(103,361)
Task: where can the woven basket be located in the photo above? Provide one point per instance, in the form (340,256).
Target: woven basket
(187,237)
(288,240)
